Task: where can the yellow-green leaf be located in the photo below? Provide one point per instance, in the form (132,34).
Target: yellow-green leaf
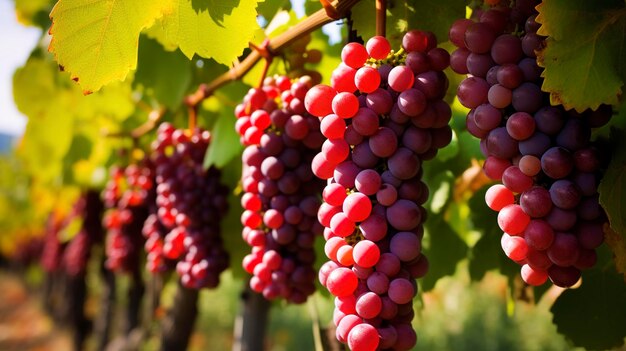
(97,41)
(29,11)
(220,30)
(34,86)
(45,142)
(584,54)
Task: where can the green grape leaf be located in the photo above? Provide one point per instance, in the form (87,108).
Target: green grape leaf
(612,190)
(97,41)
(311,6)
(444,250)
(584,56)
(29,12)
(440,186)
(162,74)
(594,315)
(269,8)
(34,100)
(45,142)
(80,149)
(435,16)
(231,223)
(220,30)
(113,101)
(225,144)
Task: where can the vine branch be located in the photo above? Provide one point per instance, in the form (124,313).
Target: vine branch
(274,45)
(381,17)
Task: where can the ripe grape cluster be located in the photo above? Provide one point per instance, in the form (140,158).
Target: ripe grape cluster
(382,116)
(154,233)
(127,196)
(280,192)
(87,213)
(191,202)
(52,252)
(542,155)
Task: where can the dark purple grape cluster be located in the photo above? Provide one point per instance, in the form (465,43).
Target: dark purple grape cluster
(88,209)
(127,196)
(382,116)
(52,252)
(280,192)
(543,155)
(191,203)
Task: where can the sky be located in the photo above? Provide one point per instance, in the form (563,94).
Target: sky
(16,43)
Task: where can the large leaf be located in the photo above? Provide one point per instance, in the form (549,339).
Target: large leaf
(164,75)
(584,56)
(30,12)
(444,250)
(594,315)
(269,8)
(435,16)
(97,41)
(46,141)
(65,127)
(225,144)
(612,191)
(220,30)
(34,87)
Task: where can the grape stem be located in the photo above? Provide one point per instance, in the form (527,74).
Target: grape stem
(193,116)
(267,54)
(275,45)
(153,118)
(381,17)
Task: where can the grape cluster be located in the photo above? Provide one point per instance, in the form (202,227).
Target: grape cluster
(280,192)
(191,202)
(127,196)
(542,155)
(154,233)
(88,209)
(382,116)
(52,252)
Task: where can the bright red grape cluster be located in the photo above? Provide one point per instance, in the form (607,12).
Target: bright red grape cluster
(542,155)
(191,202)
(127,197)
(154,233)
(382,116)
(280,192)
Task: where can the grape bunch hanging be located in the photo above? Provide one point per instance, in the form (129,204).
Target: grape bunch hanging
(382,116)
(280,192)
(191,202)
(543,155)
(88,212)
(127,197)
